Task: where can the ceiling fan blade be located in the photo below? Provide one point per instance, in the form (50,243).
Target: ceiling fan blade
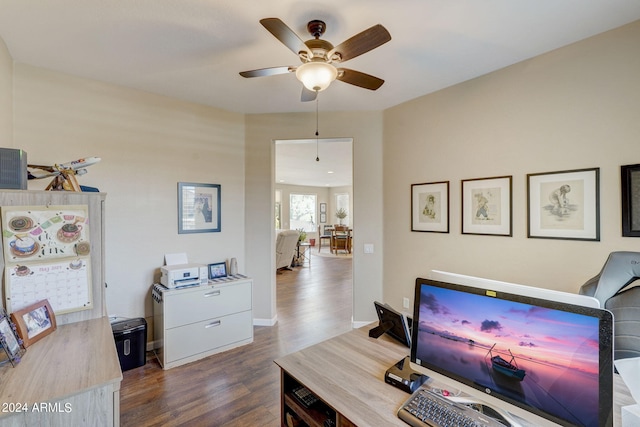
(285,34)
(361,43)
(308,95)
(358,78)
(266,72)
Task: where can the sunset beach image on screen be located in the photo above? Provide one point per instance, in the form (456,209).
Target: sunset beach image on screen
(540,357)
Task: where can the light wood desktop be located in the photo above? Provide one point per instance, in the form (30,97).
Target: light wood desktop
(347,373)
(70,377)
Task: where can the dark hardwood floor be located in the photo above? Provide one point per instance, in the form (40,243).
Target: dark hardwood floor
(241,387)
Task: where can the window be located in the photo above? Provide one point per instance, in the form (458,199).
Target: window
(342,204)
(302,211)
(278,213)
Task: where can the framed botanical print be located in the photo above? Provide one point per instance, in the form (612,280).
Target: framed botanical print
(487,206)
(564,205)
(430,207)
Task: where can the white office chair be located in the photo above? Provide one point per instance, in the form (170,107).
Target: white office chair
(615,290)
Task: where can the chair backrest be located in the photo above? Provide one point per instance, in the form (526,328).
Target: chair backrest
(286,244)
(326,232)
(613,288)
(341,227)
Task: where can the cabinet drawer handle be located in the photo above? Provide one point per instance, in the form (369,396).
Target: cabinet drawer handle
(212,294)
(213,324)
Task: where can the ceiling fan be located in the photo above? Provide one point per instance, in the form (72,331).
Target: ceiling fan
(319,56)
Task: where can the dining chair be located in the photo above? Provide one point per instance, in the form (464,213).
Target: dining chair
(340,239)
(324,235)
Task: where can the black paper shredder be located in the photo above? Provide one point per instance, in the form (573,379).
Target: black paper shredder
(131,341)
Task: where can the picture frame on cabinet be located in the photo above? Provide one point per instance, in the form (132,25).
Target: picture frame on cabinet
(34,322)
(487,206)
(198,208)
(564,205)
(630,185)
(430,207)
(217,270)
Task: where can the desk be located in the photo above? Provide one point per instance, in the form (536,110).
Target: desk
(347,373)
(74,372)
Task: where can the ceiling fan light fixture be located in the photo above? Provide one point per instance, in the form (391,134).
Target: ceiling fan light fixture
(316,76)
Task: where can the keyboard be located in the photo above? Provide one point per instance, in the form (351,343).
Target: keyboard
(426,408)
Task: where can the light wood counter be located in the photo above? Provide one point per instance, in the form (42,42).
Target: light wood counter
(70,377)
(347,373)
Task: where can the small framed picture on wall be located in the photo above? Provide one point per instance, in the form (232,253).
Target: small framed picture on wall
(430,207)
(564,205)
(486,206)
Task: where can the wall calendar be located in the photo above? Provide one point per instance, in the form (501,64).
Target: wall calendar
(47,256)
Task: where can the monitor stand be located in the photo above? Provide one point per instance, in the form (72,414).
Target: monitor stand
(402,376)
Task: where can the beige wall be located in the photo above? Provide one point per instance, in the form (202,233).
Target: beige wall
(577,107)
(573,108)
(366,130)
(148,144)
(6,97)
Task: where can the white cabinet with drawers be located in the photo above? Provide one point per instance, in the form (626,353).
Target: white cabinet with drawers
(196,322)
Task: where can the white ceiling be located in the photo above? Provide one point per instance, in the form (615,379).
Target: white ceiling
(194,49)
(296,162)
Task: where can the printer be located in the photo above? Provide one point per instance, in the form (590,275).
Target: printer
(180,275)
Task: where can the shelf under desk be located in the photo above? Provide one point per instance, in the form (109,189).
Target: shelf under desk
(347,373)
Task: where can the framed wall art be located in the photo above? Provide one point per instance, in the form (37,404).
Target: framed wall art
(630,184)
(430,207)
(34,322)
(487,206)
(323,213)
(198,208)
(564,205)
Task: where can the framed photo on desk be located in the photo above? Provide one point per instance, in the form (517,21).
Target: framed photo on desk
(34,322)
(9,340)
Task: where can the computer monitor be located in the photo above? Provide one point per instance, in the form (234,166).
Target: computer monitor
(391,322)
(547,362)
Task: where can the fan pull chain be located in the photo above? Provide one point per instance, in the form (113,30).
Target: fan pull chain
(317,132)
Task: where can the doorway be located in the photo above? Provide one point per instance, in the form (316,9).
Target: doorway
(313,177)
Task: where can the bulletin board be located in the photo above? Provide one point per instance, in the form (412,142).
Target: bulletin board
(47,256)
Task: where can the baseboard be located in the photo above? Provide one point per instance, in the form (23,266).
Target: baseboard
(265,322)
(360,324)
